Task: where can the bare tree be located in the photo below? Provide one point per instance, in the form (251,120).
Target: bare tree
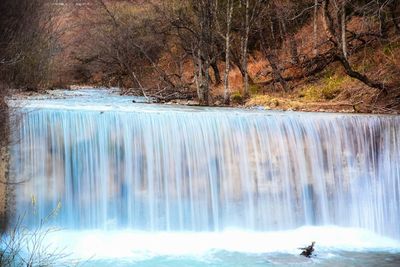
(125,47)
(315,27)
(245,46)
(253,9)
(271,39)
(229,14)
(30,40)
(194,23)
(22,246)
(336,29)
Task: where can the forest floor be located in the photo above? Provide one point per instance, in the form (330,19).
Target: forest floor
(331,91)
(328,91)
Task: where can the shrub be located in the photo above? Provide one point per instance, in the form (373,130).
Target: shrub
(254,89)
(237,98)
(311,93)
(333,87)
(21,246)
(329,89)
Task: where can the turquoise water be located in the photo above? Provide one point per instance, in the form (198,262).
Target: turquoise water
(231,259)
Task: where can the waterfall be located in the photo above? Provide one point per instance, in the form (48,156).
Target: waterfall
(161,169)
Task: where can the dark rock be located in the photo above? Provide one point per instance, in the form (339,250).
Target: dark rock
(308,251)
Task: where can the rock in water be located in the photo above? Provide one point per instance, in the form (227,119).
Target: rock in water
(308,251)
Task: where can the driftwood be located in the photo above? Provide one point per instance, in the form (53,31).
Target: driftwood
(308,251)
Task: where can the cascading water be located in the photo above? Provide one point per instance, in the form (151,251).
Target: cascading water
(163,169)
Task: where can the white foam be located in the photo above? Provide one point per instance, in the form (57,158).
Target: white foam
(144,245)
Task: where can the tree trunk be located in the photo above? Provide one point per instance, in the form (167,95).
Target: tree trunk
(201,81)
(293,49)
(205,86)
(243,74)
(341,47)
(4,159)
(315,27)
(4,184)
(361,77)
(273,61)
(343,24)
(217,74)
(205,49)
(199,75)
(245,50)
(227,90)
(383,27)
(328,22)
(395,15)
(294,55)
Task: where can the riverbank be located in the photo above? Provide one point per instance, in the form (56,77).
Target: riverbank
(300,100)
(3,187)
